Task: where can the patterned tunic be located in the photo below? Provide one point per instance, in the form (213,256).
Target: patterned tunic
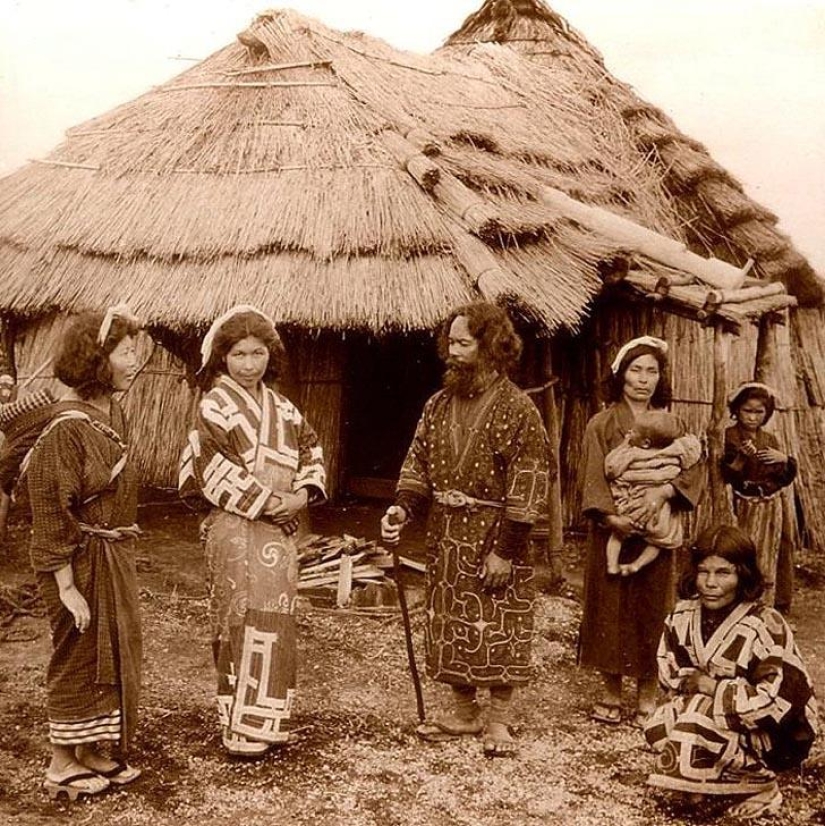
(622,618)
(79,488)
(495,449)
(239,453)
(761,719)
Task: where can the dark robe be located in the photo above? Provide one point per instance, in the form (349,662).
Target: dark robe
(75,487)
(623,616)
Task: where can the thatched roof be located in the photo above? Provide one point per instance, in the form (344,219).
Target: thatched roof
(719,219)
(337,182)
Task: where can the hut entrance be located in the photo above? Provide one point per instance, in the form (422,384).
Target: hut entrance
(388,382)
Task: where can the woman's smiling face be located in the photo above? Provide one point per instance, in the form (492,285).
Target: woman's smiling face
(247,361)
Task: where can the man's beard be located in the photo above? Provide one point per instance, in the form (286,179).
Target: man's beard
(465,379)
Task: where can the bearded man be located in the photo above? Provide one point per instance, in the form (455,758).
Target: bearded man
(479,463)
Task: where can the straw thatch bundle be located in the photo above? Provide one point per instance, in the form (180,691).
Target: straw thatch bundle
(282,172)
(340,184)
(711,213)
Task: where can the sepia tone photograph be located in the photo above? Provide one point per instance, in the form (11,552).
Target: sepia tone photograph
(412,415)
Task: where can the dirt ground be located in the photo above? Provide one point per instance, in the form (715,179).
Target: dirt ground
(358,762)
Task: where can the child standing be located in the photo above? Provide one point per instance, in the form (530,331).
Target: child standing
(757,470)
(655,451)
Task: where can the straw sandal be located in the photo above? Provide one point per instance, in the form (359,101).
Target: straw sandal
(74,785)
(606,713)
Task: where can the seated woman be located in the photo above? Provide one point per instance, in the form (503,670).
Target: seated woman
(740,702)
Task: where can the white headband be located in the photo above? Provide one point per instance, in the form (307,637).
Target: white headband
(650,341)
(209,338)
(118,311)
(752,385)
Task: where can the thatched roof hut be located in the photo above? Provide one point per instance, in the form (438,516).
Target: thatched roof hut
(356,193)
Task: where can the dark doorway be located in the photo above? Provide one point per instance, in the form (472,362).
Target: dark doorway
(388,381)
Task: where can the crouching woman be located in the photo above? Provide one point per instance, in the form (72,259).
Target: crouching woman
(740,702)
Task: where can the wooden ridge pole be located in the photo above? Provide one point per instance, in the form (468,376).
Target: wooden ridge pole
(721,509)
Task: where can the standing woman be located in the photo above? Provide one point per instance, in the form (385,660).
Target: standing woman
(257,461)
(623,616)
(83,494)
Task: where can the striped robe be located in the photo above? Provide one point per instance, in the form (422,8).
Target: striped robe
(238,454)
(762,717)
(77,481)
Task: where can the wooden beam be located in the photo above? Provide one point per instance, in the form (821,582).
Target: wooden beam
(555,520)
(720,504)
(645,241)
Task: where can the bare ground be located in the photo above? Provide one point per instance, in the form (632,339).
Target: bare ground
(358,762)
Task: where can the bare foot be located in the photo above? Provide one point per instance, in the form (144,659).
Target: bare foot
(498,742)
(764,803)
(94,760)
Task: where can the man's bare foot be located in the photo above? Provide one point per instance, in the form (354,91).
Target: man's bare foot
(498,742)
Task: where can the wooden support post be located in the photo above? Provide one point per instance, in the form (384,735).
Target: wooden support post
(768,371)
(555,522)
(344,581)
(721,510)
(5,501)
(766,353)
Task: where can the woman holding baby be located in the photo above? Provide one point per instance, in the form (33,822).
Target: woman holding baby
(624,608)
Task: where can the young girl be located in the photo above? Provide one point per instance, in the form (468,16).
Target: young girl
(757,470)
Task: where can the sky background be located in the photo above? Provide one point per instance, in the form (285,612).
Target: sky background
(745,77)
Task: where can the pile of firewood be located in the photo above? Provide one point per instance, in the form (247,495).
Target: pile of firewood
(334,569)
(20,601)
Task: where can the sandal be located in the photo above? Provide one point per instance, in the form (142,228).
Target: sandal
(74,785)
(448,728)
(606,713)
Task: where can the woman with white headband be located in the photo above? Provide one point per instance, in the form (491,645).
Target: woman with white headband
(258,462)
(83,494)
(623,615)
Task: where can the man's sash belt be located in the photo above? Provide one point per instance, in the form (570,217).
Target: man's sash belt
(459,499)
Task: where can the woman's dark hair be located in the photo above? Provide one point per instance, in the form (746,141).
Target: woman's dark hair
(498,343)
(661,395)
(734,545)
(235,329)
(81,362)
(748,393)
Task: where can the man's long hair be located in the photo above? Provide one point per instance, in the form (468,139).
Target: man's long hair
(499,345)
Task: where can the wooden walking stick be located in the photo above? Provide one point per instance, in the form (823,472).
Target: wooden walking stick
(405,616)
